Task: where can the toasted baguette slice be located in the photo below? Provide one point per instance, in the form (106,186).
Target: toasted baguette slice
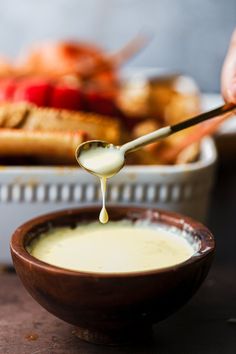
(50,147)
(13,115)
(29,117)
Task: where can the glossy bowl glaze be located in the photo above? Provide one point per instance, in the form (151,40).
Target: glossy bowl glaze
(111,308)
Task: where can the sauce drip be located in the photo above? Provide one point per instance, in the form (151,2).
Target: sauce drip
(103,216)
(103,163)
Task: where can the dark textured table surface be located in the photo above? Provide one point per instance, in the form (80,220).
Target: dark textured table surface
(206,325)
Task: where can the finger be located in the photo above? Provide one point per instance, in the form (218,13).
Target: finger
(228,78)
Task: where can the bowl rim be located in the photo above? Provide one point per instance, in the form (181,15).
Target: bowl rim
(207,246)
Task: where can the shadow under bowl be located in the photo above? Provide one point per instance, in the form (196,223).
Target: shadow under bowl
(117,307)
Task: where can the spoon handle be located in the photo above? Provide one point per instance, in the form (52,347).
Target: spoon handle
(203,117)
(166,131)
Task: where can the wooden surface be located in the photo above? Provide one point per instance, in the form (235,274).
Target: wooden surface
(206,325)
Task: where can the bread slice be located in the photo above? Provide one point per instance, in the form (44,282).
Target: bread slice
(29,117)
(48,147)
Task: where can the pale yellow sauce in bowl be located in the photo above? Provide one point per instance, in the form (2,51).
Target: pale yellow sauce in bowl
(116,247)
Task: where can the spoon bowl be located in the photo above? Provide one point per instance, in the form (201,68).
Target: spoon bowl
(85,146)
(100,158)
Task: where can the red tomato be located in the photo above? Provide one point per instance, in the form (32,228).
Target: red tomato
(7,89)
(66,97)
(100,102)
(36,91)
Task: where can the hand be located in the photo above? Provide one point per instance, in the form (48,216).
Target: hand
(228,78)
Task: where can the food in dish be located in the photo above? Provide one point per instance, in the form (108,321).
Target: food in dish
(76,87)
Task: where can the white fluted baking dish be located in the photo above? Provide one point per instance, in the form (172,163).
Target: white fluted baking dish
(29,191)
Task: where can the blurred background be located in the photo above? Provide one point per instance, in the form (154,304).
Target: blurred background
(187,35)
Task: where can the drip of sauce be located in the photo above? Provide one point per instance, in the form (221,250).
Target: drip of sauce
(103,216)
(103,163)
(122,246)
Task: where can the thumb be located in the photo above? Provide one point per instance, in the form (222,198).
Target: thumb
(228,76)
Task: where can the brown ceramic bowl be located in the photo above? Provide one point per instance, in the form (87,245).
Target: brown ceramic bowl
(111,308)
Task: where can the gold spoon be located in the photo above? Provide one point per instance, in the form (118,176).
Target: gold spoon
(143,140)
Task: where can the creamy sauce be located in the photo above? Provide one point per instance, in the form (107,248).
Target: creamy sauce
(104,163)
(118,248)
(103,216)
